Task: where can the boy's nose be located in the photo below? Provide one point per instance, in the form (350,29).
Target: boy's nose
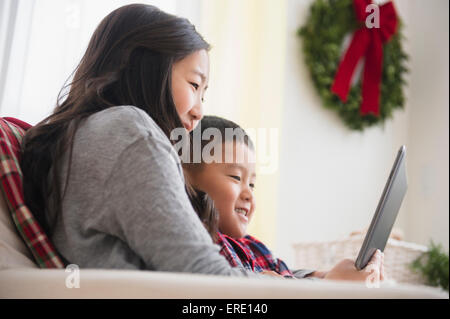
(247,194)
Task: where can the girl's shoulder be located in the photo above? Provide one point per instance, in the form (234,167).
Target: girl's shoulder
(103,137)
(124,120)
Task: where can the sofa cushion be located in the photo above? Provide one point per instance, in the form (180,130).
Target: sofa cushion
(37,242)
(13,251)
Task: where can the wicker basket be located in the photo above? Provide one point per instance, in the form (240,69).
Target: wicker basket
(398,255)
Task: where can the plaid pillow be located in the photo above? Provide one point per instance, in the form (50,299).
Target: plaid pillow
(43,251)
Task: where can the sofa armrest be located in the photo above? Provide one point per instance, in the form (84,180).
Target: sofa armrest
(96,283)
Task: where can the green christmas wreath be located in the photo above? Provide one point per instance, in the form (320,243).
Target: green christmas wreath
(328,23)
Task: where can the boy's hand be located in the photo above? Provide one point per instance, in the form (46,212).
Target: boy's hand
(271,273)
(346,270)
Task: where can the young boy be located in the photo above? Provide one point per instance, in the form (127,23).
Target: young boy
(222,194)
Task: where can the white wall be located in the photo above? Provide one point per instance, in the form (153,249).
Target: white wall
(428,199)
(331,178)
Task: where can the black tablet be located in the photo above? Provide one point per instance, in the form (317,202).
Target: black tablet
(386,212)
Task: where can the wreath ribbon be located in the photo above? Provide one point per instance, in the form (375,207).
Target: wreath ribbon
(366,43)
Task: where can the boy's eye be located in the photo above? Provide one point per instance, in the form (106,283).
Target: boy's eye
(235,177)
(195,85)
(252,186)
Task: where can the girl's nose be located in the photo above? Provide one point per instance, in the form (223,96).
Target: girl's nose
(197,112)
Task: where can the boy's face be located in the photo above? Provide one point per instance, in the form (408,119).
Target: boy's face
(230,186)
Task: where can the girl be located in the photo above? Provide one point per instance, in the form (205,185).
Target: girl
(100,173)
(230,184)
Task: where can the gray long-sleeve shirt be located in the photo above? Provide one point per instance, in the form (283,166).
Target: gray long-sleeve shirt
(125,205)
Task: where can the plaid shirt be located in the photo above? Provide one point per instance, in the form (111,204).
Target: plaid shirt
(249,253)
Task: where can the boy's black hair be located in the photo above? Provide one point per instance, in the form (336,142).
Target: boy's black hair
(222,124)
(229,132)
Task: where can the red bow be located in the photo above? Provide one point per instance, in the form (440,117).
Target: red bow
(369,43)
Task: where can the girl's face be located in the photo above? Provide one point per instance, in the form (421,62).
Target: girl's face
(230,186)
(189,82)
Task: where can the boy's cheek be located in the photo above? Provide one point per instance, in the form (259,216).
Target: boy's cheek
(250,216)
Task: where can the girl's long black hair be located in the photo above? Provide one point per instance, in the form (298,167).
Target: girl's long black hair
(128,62)
(204,207)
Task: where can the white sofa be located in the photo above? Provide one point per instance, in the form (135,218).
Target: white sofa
(21,278)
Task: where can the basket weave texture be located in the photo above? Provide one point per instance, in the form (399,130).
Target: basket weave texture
(398,255)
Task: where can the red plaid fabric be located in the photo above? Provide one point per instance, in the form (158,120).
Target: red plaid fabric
(251,254)
(11,133)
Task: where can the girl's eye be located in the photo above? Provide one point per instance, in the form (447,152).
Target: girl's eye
(235,177)
(252,186)
(195,85)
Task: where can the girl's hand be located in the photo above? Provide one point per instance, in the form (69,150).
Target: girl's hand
(346,270)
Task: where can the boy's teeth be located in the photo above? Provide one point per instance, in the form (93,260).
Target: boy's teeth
(241,211)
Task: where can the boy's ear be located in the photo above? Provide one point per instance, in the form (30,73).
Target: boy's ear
(187,176)
(191,171)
